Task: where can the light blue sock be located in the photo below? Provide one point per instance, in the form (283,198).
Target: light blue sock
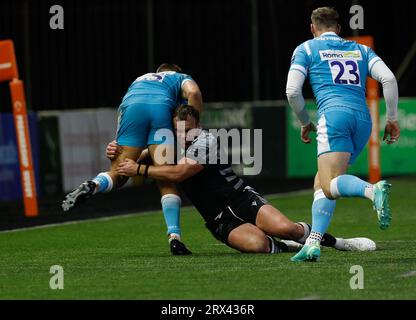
(349,186)
(104,182)
(322,210)
(171,206)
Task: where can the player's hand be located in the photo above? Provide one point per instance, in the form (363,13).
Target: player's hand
(127,168)
(391,130)
(305,131)
(113,150)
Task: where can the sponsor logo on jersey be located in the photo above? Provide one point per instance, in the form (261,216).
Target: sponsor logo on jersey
(340,55)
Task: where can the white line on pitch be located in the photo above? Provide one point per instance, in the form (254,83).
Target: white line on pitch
(50,225)
(408,274)
(122,216)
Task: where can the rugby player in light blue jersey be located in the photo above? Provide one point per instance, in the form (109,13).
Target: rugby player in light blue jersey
(337,71)
(146,108)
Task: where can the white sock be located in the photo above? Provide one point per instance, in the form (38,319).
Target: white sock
(172,236)
(369,192)
(313,237)
(334,188)
(104,182)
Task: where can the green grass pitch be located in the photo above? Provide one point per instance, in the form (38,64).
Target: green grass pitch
(129,258)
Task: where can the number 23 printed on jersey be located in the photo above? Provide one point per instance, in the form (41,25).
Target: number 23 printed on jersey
(343,65)
(345,72)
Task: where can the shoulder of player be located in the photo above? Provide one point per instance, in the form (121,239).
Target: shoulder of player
(180,78)
(305,47)
(302,45)
(364,48)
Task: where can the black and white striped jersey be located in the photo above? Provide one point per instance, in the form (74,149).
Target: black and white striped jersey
(217,185)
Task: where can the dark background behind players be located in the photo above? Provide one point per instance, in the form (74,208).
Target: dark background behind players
(237,50)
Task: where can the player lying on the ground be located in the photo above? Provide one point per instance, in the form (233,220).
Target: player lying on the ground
(234,212)
(337,70)
(146,108)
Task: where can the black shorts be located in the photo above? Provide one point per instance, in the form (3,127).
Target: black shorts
(242,210)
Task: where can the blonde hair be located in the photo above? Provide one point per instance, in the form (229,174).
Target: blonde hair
(169,67)
(326,17)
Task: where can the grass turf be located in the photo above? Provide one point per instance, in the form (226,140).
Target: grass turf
(129,258)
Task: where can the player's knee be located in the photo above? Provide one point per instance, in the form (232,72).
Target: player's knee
(256,244)
(326,189)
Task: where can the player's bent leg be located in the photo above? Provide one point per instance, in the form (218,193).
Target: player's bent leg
(113,179)
(351,186)
(248,238)
(317,182)
(103,182)
(335,183)
(78,195)
(330,166)
(271,221)
(381,203)
(127,152)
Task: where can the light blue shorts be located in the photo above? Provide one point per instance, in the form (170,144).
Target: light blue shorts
(342,129)
(142,124)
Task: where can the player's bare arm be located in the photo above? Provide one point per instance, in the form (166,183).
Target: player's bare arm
(170,173)
(192,93)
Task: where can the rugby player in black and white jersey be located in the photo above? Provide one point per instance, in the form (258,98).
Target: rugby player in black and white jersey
(234,212)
